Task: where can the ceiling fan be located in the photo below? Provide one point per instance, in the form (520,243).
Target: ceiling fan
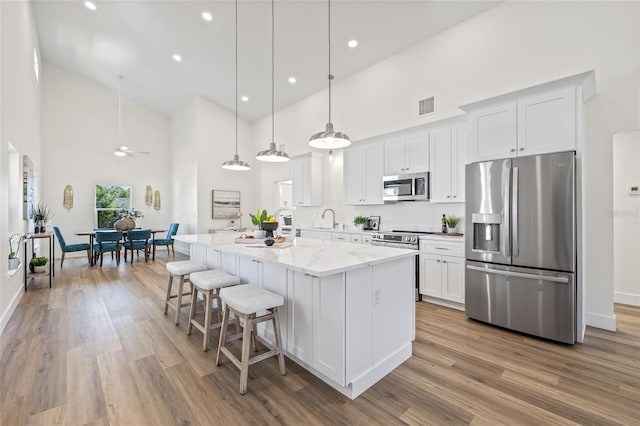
(123,150)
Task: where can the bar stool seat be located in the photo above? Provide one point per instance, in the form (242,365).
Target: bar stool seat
(209,283)
(245,301)
(181,270)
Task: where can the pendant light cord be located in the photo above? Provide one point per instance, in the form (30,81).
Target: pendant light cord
(236,77)
(273,125)
(120,77)
(330,76)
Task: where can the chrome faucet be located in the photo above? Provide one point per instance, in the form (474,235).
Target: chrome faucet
(334,216)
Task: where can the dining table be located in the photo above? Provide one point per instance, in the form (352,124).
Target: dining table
(92,234)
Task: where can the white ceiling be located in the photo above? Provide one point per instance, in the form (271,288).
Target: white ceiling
(138,38)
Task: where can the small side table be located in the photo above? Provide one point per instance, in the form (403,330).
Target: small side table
(52,254)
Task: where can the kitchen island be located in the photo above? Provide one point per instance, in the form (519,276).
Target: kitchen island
(349,314)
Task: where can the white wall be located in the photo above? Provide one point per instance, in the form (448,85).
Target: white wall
(79,135)
(20,126)
(509,47)
(626,218)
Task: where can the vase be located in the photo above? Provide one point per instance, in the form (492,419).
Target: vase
(14,263)
(124,224)
(40,269)
(259,233)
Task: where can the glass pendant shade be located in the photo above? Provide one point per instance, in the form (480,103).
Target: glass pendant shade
(236,164)
(329,139)
(272,155)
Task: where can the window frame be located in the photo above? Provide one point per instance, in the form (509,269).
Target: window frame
(110,209)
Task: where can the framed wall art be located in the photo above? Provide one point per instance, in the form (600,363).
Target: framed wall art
(226,204)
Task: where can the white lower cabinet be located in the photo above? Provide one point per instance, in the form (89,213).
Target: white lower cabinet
(442,277)
(300,318)
(329,326)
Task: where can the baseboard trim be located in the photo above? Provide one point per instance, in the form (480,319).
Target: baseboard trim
(10,309)
(605,322)
(626,298)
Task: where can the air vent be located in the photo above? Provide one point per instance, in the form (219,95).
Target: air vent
(426,106)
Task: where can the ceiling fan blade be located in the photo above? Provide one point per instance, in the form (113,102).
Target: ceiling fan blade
(138,152)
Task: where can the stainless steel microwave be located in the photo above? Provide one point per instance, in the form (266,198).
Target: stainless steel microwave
(408,187)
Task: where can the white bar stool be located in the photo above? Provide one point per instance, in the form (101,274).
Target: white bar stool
(245,301)
(209,283)
(180,270)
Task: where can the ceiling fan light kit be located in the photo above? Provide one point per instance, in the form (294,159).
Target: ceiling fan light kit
(236,164)
(273,154)
(329,138)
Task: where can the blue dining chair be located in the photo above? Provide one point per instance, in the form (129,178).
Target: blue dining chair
(107,241)
(168,241)
(70,248)
(137,239)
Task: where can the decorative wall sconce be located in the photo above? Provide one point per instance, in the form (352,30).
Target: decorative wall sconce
(67,198)
(156,199)
(148,197)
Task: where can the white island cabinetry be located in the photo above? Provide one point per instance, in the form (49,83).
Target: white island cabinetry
(349,308)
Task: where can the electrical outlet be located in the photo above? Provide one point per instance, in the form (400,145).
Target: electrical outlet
(633,189)
(376,297)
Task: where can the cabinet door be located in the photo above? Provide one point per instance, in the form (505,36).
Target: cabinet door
(459,137)
(249,270)
(300,310)
(547,122)
(430,275)
(492,132)
(353,171)
(274,279)
(394,156)
(329,327)
(298,179)
(417,152)
(440,150)
(453,279)
(373,172)
(228,263)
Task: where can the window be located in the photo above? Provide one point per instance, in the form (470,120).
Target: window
(109,199)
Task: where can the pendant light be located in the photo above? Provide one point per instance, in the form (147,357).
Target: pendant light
(236,163)
(329,139)
(272,154)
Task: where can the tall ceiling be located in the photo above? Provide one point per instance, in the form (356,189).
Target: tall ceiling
(138,38)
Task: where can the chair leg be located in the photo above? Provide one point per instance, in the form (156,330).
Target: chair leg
(168,252)
(179,299)
(223,333)
(173,249)
(276,331)
(166,301)
(246,346)
(207,319)
(154,251)
(101,258)
(192,311)
(61,260)
(88,257)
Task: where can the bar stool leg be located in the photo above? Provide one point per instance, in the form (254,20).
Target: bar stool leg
(276,330)
(179,299)
(207,319)
(166,301)
(192,311)
(223,333)
(246,346)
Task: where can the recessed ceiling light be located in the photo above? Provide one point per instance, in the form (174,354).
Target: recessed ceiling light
(90,5)
(207,16)
(352,43)
(244,99)
(292,80)
(177,58)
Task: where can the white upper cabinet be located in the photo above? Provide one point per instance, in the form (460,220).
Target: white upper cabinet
(307,180)
(536,120)
(363,170)
(406,153)
(547,122)
(448,156)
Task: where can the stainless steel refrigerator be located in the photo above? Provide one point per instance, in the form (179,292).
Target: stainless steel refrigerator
(521,244)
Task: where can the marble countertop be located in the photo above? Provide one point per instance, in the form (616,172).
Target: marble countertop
(315,257)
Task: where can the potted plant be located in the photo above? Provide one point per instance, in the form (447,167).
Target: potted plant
(14,259)
(41,215)
(39,264)
(452,222)
(256,220)
(127,219)
(359,222)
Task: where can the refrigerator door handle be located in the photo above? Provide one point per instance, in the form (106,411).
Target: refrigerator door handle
(518,274)
(506,240)
(515,243)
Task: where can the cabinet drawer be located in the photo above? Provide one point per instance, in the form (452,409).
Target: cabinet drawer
(366,239)
(356,238)
(340,236)
(446,248)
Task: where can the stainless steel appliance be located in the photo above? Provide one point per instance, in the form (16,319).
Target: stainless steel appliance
(521,254)
(407,187)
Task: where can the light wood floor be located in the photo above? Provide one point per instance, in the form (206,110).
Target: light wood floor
(96,350)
